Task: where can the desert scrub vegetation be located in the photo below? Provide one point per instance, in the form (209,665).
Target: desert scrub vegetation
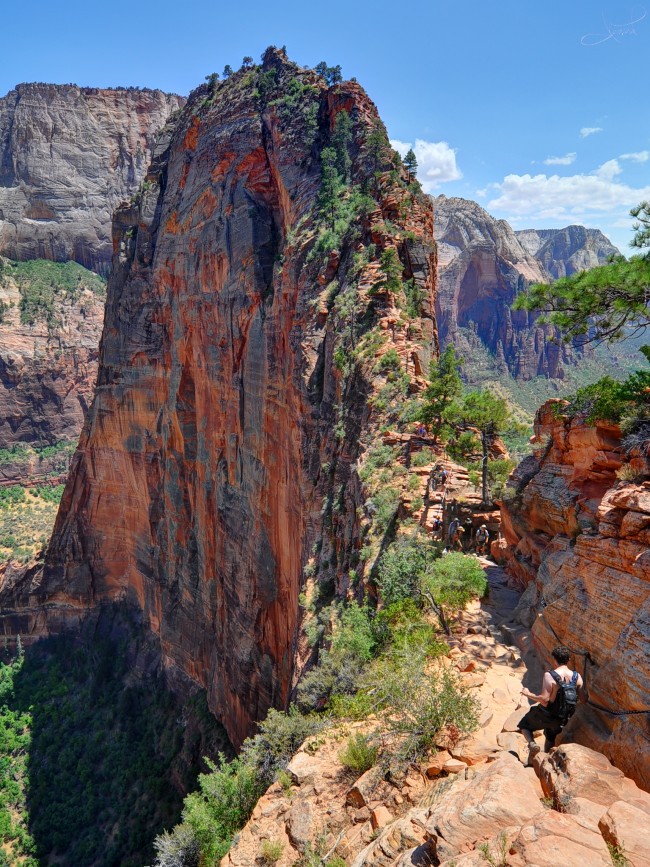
(27,517)
(381,665)
(226,796)
(44,285)
(87,751)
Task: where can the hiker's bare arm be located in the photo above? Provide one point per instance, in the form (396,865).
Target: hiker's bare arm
(545,695)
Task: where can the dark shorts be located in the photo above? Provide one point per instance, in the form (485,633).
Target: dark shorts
(538,719)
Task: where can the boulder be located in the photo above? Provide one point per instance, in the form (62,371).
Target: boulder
(572,770)
(626,827)
(360,794)
(552,839)
(499,796)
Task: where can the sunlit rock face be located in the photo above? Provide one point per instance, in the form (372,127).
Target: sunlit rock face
(222,427)
(579,540)
(484,265)
(68,156)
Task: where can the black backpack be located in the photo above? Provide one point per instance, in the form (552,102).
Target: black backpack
(565,702)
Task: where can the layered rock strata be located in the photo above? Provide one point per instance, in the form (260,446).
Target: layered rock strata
(579,541)
(68,156)
(222,439)
(484,265)
(562,252)
(47,370)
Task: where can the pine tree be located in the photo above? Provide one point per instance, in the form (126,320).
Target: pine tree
(227,71)
(444,387)
(411,164)
(341,140)
(489,415)
(330,184)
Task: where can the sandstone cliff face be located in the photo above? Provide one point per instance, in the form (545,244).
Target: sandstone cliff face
(579,539)
(222,427)
(484,265)
(47,371)
(562,252)
(68,156)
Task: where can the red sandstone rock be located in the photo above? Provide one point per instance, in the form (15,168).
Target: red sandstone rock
(594,594)
(197,489)
(626,828)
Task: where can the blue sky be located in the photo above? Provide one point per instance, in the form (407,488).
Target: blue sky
(535,109)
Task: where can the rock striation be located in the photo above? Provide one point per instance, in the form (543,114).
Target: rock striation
(562,252)
(68,156)
(579,541)
(224,421)
(47,369)
(484,265)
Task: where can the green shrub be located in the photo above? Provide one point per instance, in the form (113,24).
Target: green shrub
(450,583)
(422,458)
(358,754)
(389,361)
(400,567)
(387,502)
(271,851)
(222,805)
(417,705)
(402,626)
(11,496)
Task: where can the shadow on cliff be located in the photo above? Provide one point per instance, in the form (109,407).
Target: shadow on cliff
(112,750)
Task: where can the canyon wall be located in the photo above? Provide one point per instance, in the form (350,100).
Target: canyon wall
(48,368)
(579,541)
(484,265)
(562,252)
(227,418)
(68,156)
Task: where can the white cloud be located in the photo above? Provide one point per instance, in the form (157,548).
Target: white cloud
(609,170)
(436,162)
(574,198)
(566,160)
(589,130)
(638,157)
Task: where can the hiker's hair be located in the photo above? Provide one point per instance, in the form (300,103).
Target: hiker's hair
(561,654)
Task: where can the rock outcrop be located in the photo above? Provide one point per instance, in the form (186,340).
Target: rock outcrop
(47,369)
(562,252)
(68,156)
(475,802)
(579,541)
(484,265)
(225,421)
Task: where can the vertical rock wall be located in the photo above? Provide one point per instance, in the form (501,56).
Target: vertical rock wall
(68,156)
(221,422)
(579,540)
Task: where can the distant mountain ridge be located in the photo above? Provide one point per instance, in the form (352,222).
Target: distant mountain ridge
(562,252)
(484,264)
(68,156)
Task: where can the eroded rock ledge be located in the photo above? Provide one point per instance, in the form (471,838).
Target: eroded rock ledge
(579,541)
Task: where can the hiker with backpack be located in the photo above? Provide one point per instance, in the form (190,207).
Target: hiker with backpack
(557,703)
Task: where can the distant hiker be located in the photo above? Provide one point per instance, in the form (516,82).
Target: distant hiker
(453,531)
(444,475)
(422,431)
(482,538)
(557,703)
(436,528)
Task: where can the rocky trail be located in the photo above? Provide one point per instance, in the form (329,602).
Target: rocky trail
(474,802)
